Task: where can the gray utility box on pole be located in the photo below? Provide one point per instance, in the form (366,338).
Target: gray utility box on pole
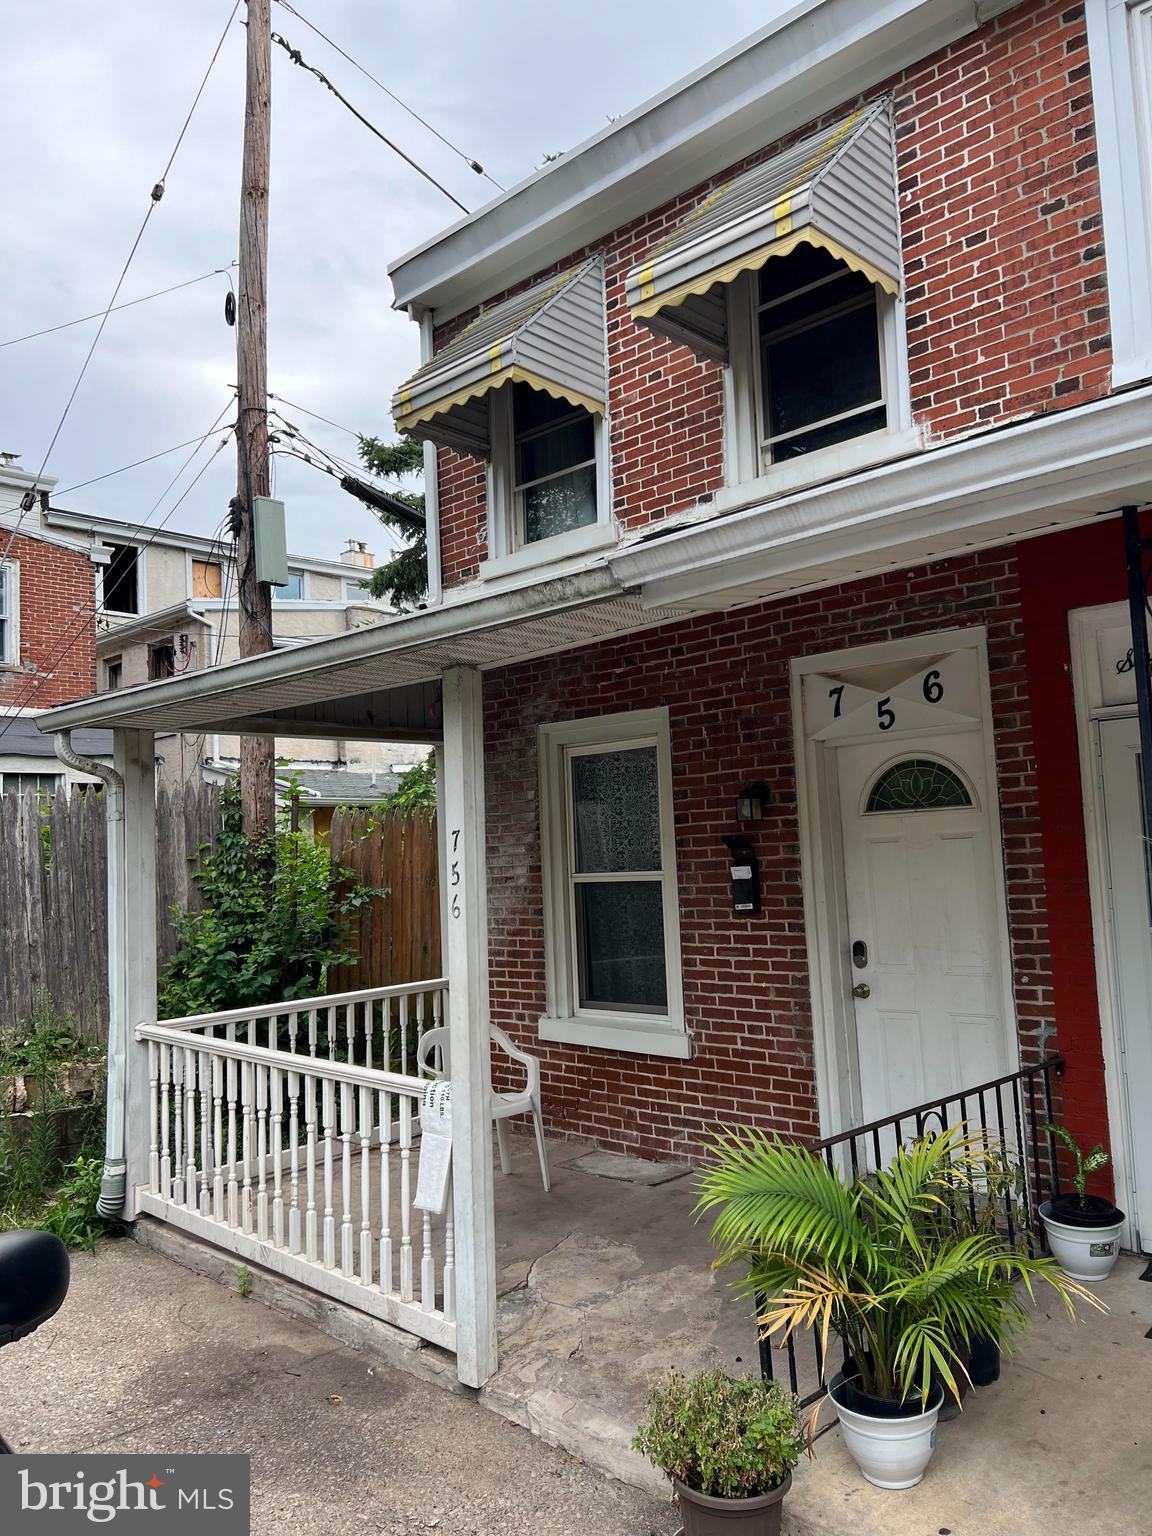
(270,540)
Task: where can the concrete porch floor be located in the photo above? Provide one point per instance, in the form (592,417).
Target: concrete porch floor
(606,1283)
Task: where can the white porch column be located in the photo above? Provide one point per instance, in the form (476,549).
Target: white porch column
(135,762)
(463,885)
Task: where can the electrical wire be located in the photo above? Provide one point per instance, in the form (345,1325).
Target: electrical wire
(315,414)
(128,303)
(154,200)
(124,468)
(297,58)
(473,165)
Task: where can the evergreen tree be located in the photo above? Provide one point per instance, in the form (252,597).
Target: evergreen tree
(402,580)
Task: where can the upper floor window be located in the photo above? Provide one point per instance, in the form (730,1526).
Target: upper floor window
(554,466)
(122,580)
(207,578)
(292,590)
(161,660)
(9,614)
(114,673)
(820,378)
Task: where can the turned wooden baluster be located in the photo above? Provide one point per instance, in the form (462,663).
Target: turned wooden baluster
(294,1235)
(449,1301)
(328,1101)
(247,1104)
(384,1118)
(406,1288)
(276,1085)
(190,1171)
(219,1206)
(365,1127)
(206,1149)
(231,1075)
(310,1217)
(154,1116)
(165,1186)
(347,1267)
(262,1154)
(178,1108)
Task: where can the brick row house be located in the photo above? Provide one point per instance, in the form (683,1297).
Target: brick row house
(777,649)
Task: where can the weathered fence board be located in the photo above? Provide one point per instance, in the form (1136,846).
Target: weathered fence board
(53,905)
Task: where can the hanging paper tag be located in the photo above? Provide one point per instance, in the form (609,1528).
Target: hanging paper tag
(435,1148)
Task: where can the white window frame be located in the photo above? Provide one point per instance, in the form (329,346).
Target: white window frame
(10,657)
(745,472)
(278,597)
(1120,57)
(141,601)
(566,1021)
(507,553)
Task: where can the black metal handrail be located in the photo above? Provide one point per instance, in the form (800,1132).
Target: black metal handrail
(1006,1109)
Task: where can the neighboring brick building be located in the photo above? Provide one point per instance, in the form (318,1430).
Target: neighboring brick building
(47,634)
(736,436)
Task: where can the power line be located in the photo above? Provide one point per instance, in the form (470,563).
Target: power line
(159,294)
(154,200)
(124,468)
(295,55)
(315,414)
(473,165)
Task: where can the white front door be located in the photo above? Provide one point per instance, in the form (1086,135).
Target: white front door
(923,920)
(1130,899)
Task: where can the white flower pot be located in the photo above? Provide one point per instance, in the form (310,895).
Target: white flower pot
(890,1452)
(1083,1253)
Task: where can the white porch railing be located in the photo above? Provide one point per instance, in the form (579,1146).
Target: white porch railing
(285,1135)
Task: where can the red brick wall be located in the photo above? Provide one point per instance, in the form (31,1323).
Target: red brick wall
(57,600)
(725,681)
(1006,298)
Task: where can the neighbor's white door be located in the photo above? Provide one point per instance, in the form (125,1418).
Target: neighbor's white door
(923,915)
(1130,881)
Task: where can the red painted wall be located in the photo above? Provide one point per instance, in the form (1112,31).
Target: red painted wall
(1080,569)
(57,591)
(1006,292)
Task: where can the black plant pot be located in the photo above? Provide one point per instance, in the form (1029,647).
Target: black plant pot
(984,1361)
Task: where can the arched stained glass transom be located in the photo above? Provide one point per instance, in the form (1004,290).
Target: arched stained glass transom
(918,784)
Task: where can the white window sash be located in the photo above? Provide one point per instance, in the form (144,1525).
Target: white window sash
(10,614)
(656,1032)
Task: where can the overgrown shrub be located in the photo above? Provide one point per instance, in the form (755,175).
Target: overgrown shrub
(274,921)
(730,1437)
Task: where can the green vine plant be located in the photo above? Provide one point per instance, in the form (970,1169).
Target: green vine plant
(272,922)
(1086,1163)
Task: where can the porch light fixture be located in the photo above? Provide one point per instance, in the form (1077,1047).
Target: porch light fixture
(752,801)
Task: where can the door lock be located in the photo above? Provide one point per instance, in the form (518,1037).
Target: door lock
(861,989)
(859,954)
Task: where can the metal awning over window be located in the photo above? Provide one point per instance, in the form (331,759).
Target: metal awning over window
(835,189)
(551,337)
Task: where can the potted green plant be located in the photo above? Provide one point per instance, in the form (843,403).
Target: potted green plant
(1083,1230)
(729,1444)
(868,1258)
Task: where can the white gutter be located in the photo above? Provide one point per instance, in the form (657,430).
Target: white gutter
(114,1184)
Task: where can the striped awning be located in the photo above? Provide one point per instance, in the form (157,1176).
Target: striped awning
(550,337)
(835,189)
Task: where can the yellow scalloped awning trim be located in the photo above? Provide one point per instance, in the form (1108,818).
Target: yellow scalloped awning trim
(754,260)
(513,374)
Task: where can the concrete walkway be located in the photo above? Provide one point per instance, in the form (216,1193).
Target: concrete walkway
(146,1357)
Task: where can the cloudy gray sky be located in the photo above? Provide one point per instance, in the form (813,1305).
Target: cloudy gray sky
(94,96)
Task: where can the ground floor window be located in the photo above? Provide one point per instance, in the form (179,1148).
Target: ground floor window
(609,860)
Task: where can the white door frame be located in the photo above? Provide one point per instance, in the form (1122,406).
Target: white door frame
(822,875)
(1090,651)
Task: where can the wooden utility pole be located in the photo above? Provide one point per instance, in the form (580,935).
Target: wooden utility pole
(257,753)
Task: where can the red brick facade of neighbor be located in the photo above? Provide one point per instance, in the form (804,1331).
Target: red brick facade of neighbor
(1007,317)
(1006,293)
(57,592)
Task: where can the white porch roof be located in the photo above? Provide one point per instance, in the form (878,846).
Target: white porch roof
(380,682)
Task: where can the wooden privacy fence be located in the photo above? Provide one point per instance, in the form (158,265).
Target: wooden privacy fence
(53,899)
(397,939)
(53,903)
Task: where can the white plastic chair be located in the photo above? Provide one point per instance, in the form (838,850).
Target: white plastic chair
(525,1100)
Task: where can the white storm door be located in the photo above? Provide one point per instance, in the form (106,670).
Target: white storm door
(923,914)
(1130,897)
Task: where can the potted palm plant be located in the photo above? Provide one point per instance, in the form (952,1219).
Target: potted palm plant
(729,1444)
(867,1258)
(1083,1230)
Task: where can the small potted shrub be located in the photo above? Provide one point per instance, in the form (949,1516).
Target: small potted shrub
(1083,1230)
(729,1444)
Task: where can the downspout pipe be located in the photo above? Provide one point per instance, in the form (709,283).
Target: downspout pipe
(114,1184)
